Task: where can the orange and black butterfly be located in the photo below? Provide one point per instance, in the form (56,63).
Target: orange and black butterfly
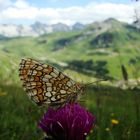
(45,84)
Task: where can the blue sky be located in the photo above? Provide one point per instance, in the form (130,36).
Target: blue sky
(68,12)
(68,3)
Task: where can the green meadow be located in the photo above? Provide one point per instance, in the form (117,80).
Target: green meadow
(85,56)
(19,116)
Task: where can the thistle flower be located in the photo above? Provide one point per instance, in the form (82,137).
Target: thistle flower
(71,122)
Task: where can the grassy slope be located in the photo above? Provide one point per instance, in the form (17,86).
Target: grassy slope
(116,44)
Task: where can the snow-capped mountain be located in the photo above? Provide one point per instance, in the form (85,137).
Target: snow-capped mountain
(36,29)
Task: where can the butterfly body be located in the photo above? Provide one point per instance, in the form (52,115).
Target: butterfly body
(45,84)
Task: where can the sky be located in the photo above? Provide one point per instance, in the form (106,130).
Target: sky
(65,11)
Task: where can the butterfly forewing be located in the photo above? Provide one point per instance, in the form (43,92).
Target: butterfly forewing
(45,84)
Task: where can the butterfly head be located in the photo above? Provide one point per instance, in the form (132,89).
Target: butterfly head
(80,88)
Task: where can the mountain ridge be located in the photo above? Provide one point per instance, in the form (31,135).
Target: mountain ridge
(104,45)
(38,28)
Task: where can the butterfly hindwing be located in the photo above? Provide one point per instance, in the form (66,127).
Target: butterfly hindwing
(45,84)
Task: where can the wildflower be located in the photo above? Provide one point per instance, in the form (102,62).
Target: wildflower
(114,121)
(71,122)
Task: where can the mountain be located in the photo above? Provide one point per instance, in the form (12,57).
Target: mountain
(3,37)
(41,28)
(78,26)
(111,33)
(36,29)
(97,50)
(107,34)
(12,30)
(60,27)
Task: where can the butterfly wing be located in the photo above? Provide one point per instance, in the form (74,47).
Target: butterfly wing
(45,84)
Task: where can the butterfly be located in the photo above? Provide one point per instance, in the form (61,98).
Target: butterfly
(45,84)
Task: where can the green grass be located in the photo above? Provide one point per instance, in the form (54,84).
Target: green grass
(19,116)
(122,41)
(111,103)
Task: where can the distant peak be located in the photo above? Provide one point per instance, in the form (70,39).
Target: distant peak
(110,20)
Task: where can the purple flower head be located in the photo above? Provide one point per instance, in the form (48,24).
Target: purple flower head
(71,122)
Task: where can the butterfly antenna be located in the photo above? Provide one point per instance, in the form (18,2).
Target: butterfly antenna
(97,81)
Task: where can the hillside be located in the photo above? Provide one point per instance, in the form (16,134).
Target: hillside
(97,51)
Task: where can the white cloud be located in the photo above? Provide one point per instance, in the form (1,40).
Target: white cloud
(4,4)
(21,10)
(21,4)
(16,13)
(102,11)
